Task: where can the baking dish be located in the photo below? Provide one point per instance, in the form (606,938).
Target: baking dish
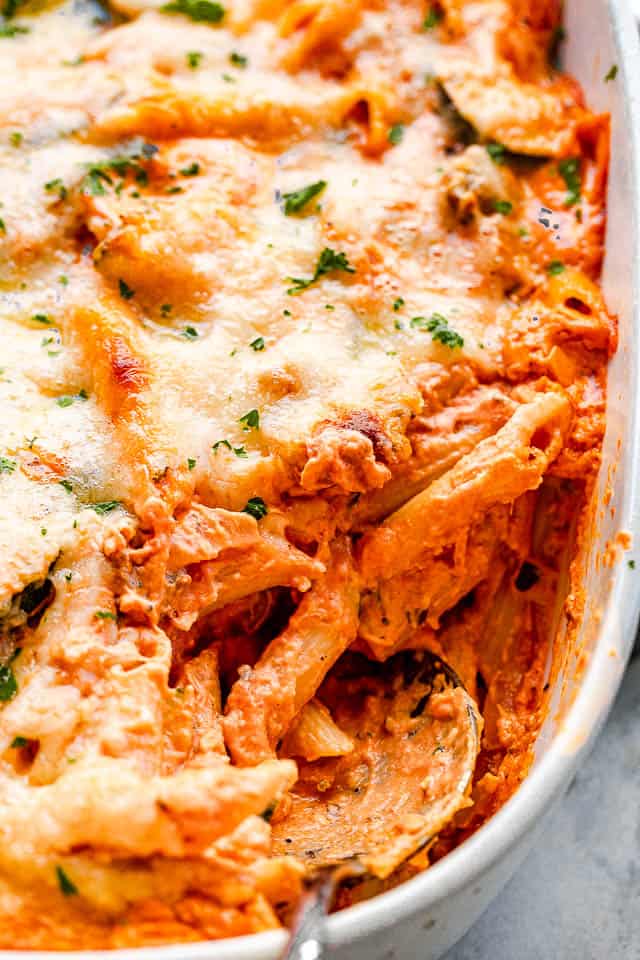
(425,916)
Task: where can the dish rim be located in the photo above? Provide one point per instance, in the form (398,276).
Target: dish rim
(582,722)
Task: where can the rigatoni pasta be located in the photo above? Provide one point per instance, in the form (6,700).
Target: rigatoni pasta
(302,364)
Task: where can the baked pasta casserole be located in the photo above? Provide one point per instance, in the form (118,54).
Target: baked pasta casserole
(303,363)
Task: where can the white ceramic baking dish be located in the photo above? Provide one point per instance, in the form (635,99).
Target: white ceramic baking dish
(424,917)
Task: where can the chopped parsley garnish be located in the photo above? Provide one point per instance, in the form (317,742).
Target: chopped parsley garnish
(257,344)
(328,261)
(105,615)
(497,152)
(432,19)
(503,206)
(191,171)
(68,486)
(201,11)
(166,309)
(269,811)
(569,170)
(221,443)
(251,420)
(6,465)
(12,30)
(175,189)
(43,531)
(18,742)
(64,401)
(67,886)
(94,180)
(191,463)
(8,682)
(438,326)
(396,133)
(239,451)
(194,58)
(56,186)
(42,318)
(64,280)
(106,506)
(228,78)
(238,59)
(398,303)
(3,228)
(631,564)
(16,138)
(256,508)
(100,173)
(611,74)
(555,267)
(297,200)
(190,333)
(125,290)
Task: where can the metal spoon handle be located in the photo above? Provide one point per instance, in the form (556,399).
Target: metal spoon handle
(308,934)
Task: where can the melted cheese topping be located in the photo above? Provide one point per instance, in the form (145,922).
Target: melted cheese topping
(247,425)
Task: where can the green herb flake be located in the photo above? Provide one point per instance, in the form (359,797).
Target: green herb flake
(105,506)
(57,186)
(64,401)
(297,200)
(105,615)
(166,309)
(555,267)
(257,344)
(43,319)
(200,11)
(396,133)
(67,886)
(505,207)
(67,485)
(238,59)
(569,170)
(94,180)
(398,303)
(631,564)
(221,443)
(190,333)
(194,58)
(125,290)
(18,742)
(43,531)
(251,420)
(63,280)
(3,228)
(191,171)
(16,138)
(611,73)
(269,811)
(497,152)
(8,683)
(6,465)
(328,262)
(256,508)
(191,463)
(438,326)
(432,19)
(8,30)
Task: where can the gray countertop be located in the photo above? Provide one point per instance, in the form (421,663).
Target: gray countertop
(578,893)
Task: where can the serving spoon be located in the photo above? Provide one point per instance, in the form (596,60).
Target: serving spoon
(416,737)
